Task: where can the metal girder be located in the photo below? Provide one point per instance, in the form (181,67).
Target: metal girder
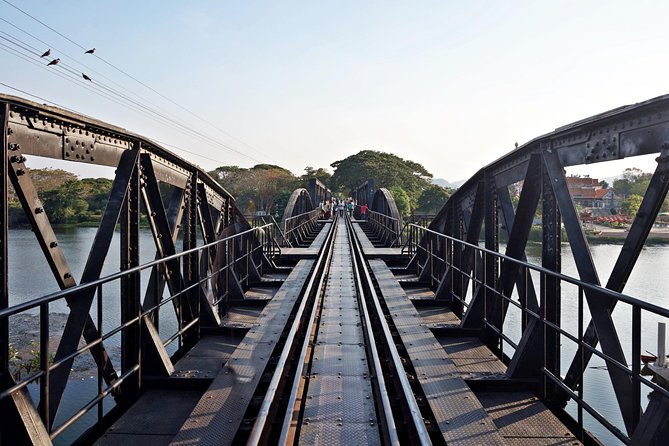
(131,287)
(522,224)
(156,286)
(191,262)
(524,284)
(81,304)
(597,303)
(550,259)
(473,219)
(629,254)
(164,236)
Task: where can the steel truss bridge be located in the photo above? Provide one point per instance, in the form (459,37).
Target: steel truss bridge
(355,330)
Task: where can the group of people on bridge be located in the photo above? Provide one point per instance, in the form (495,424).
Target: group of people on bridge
(339,206)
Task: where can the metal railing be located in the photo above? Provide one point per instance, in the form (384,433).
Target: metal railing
(239,256)
(386,228)
(297,228)
(443,255)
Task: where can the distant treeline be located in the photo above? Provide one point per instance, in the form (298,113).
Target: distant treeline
(69,200)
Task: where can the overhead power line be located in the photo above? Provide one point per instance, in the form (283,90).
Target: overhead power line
(113,94)
(120,70)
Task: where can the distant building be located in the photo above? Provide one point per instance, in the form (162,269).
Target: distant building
(589,193)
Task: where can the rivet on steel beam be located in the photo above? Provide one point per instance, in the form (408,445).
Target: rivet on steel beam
(53,244)
(67,275)
(20,172)
(39,210)
(10,131)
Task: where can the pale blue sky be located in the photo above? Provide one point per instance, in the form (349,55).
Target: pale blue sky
(451,85)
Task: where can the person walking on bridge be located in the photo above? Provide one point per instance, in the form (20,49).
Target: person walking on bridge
(363,211)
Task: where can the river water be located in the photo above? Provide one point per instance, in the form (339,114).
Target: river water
(29,277)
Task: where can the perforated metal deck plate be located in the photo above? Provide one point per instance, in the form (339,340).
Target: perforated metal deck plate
(217,416)
(458,413)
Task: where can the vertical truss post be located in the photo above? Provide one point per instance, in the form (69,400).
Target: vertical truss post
(550,286)
(191,263)
(80,305)
(131,286)
(491,225)
(598,304)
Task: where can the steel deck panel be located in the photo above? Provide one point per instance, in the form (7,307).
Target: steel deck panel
(522,418)
(207,357)
(458,413)
(155,418)
(217,416)
(320,238)
(472,357)
(339,360)
(339,408)
(438,317)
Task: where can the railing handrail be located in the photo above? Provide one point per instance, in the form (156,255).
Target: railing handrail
(48,298)
(589,286)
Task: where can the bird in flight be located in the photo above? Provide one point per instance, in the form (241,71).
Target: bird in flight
(46,53)
(54,62)
(91,51)
(86,77)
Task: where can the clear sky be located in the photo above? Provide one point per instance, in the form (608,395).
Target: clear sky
(449,84)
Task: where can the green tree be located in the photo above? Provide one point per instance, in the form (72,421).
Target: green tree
(257,188)
(634,182)
(386,169)
(401,200)
(320,174)
(631,204)
(66,203)
(433,198)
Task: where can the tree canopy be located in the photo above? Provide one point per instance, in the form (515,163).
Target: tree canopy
(386,169)
(259,188)
(433,198)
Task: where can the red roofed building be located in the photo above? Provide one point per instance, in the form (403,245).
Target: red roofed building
(589,193)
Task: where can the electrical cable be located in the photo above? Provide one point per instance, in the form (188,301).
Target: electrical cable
(140,82)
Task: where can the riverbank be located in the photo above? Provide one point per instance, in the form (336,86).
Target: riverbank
(605,234)
(24,339)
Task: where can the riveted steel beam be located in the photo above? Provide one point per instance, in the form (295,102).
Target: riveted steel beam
(131,287)
(81,304)
(629,254)
(597,303)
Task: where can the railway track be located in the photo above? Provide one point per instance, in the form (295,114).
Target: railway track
(340,376)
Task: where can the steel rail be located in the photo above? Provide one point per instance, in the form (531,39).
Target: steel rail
(262,418)
(410,399)
(356,256)
(292,400)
